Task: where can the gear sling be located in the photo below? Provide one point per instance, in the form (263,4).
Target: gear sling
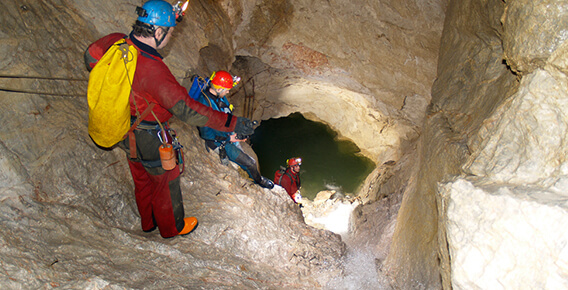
(108,95)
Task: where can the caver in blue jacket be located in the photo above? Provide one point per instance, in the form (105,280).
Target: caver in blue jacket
(221,141)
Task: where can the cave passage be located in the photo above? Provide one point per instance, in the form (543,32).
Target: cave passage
(328,163)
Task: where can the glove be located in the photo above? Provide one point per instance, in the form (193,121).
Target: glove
(244,128)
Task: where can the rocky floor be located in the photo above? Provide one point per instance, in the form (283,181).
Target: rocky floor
(68,217)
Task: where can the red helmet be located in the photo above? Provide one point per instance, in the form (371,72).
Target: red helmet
(222,80)
(294,160)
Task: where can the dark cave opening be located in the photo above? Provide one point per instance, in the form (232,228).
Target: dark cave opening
(328,162)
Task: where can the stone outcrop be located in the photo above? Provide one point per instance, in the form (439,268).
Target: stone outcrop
(490,198)
(505,236)
(516,185)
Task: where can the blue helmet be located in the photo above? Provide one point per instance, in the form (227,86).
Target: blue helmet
(157,12)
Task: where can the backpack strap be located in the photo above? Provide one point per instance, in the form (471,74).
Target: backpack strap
(130,133)
(297,181)
(287,172)
(209,101)
(124,47)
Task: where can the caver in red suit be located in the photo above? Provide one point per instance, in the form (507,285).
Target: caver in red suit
(290,178)
(291,182)
(157,191)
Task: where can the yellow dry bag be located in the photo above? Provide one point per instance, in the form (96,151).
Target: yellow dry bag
(108,94)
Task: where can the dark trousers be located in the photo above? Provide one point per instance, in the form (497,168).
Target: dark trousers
(246,162)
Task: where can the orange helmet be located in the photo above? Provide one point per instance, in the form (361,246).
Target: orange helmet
(223,80)
(294,160)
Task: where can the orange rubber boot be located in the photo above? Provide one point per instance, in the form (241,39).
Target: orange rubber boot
(190,224)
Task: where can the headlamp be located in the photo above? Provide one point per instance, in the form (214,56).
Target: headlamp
(236,81)
(179,9)
(294,161)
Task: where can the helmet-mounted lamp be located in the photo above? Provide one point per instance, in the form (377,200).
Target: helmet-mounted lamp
(179,9)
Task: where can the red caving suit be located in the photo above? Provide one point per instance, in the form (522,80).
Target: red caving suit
(157,191)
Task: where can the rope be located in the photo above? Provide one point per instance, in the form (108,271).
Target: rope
(41,78)
(125,49)
(41,93)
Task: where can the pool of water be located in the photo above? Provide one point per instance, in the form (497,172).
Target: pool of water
(327,161)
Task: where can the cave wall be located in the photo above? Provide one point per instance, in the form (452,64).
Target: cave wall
(488,205)
(471,82)
(516,173)
(345,64)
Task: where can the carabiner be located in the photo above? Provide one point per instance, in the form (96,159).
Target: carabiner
(165,136)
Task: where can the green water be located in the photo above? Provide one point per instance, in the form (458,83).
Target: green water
(326,161)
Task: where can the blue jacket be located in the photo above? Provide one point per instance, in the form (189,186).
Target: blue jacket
(218,104)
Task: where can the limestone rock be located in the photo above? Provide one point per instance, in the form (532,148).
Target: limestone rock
(331,214)
(323,196)
(506,236)
(534,122)
(533,31)
(507,210)
(471,83)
